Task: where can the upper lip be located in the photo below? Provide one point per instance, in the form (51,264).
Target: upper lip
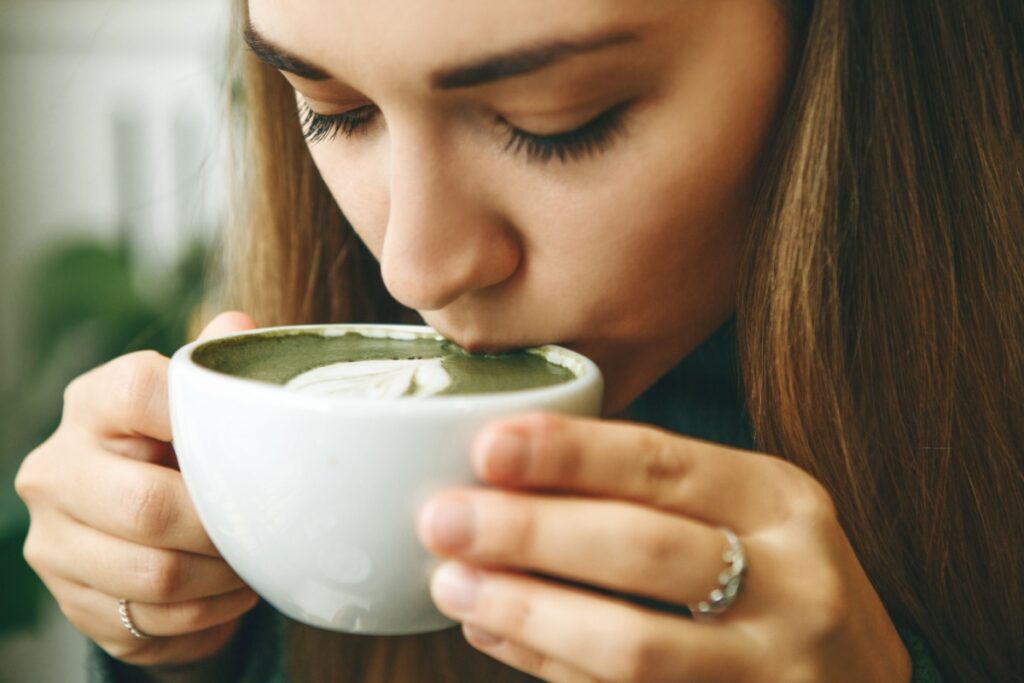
(482,345)
(493,346)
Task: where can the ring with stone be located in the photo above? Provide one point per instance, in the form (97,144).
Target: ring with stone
(730,580)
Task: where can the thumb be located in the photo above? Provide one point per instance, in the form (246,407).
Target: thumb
(226,323)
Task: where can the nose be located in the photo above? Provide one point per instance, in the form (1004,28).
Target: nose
(444,238)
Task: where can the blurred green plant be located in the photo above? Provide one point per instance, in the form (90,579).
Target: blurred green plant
(85,302)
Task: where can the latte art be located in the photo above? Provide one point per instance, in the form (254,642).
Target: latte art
(390,378)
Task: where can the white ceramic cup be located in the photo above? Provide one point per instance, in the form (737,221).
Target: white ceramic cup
(312,499)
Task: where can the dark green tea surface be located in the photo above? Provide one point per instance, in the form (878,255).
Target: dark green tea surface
(278,357)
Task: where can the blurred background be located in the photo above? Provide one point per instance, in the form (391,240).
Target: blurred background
(112,142)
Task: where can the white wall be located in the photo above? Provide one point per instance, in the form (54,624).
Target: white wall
(110,117)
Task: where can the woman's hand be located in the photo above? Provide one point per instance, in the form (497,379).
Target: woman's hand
(634,511)
(111,519)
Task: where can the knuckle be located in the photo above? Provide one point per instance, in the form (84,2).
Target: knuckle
(637,658)
(191,615)
(134,378)
(150,507)
(526,659)
(539,665)
(27,481)
(138,374)
(817,588)
(161,573)
(516,532)
(662,460)
(23,481)
(811,501)
(656,550)
(826,604)
(39,473)
(32,550)
(558,456)
(547,425)
(506,611)
(74,392)
(819,503)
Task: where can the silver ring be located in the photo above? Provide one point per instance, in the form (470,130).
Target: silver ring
(730,581)
(126,620)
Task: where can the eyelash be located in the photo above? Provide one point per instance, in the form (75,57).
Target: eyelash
(587,140)
(319,127)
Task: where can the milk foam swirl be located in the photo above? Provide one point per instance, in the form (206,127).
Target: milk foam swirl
(392,378)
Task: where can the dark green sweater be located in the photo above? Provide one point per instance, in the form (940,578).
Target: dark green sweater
(700,397)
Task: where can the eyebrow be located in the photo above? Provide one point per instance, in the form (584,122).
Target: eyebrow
(516,62)
(279,58)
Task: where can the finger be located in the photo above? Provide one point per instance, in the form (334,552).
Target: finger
(96,616)
(117,567)
(124,397)
(523,658)
(135,501)
(189,616)
(705,481)
(227,323)
(667,557)
(599,635)
(84,605)
(128,395)
(179,650)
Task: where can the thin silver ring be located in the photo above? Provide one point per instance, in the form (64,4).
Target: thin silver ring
(730,581)
(126,620)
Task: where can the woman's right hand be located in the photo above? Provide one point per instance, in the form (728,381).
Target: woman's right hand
(111,519)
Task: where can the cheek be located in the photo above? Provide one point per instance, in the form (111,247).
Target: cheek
(643,266)
(657,230)
(358,182)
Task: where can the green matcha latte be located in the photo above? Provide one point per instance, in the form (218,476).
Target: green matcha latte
(376,366)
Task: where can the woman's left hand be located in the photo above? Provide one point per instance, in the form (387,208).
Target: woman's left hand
(565,570)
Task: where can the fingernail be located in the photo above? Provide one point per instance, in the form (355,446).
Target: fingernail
(506,457)
(449,523)
(455,588)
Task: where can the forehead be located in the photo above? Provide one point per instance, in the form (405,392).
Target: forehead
(412,37)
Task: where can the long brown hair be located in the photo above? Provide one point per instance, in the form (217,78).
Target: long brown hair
(880,314)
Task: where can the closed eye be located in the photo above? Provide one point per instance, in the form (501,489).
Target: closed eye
(319,127)
(589,139)
(586,140)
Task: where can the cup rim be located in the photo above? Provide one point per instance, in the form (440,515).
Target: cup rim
(586,373)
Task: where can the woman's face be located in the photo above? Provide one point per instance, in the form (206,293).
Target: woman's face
(528,172)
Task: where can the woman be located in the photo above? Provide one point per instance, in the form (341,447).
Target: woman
(828,193)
